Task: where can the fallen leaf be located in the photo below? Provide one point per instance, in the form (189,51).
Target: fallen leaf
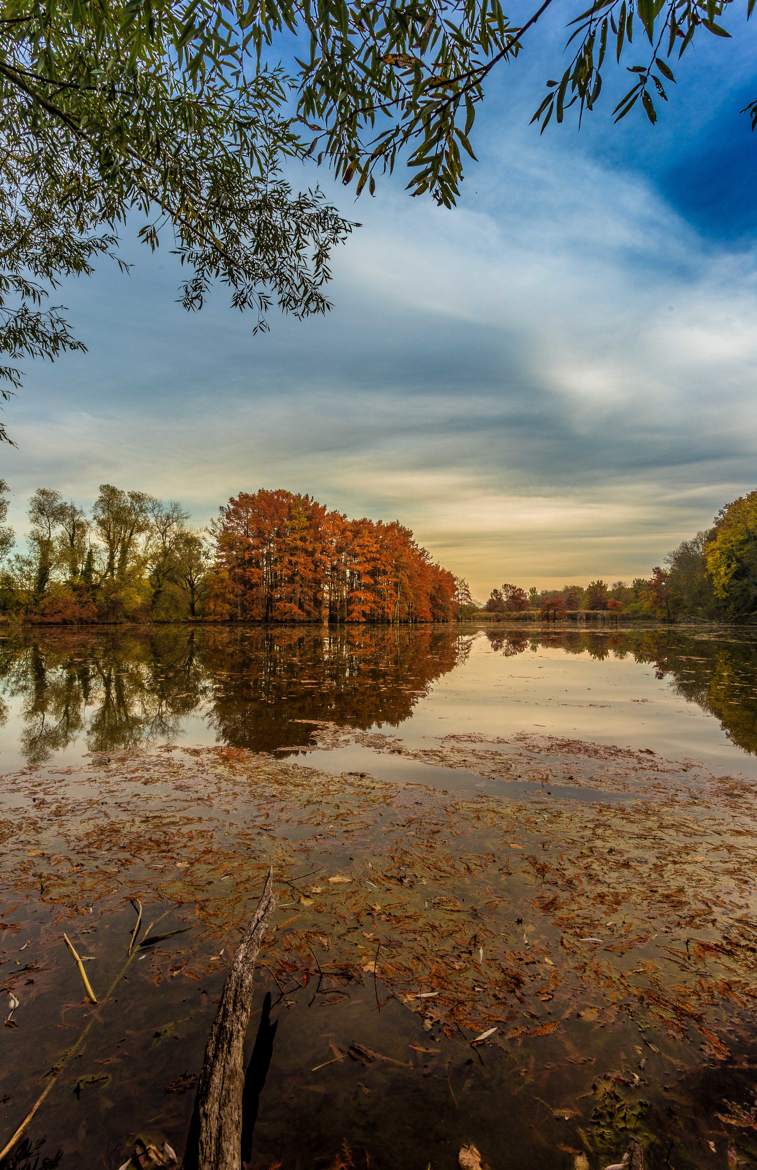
(484,1036)
(469,1158)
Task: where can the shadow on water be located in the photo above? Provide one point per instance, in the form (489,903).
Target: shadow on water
(256,1075)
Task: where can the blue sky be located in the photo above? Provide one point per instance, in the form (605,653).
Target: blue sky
(555,380)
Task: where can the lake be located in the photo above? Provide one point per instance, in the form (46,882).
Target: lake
(515,875)
(63,694)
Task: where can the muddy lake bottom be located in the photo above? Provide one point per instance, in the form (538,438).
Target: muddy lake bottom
(526,938)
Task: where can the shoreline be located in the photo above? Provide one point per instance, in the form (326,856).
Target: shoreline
(595,623)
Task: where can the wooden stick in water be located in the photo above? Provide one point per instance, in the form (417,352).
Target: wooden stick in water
(215,1140)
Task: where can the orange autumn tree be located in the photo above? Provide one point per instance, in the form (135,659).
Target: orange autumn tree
(283,557)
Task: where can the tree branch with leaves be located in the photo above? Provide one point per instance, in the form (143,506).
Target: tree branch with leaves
(186,118)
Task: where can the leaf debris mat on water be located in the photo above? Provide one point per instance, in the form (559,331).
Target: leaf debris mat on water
(530,922)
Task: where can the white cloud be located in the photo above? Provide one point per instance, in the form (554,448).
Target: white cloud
(553,381)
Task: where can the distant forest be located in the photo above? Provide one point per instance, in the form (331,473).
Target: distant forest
(275,556)
(270,556)
(712,576)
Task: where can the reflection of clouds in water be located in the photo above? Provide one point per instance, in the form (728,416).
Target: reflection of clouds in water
(720,676)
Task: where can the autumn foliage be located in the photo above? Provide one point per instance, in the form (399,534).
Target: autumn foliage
(281,557)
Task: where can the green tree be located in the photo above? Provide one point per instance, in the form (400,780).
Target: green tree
(659,593)
(121,519)
(7,538)
(463,599)
(73,545)
(8,591)
(572,596)
(731,556)
(46,511)
(159,112)
(596,595)
(166,527)
(192,565)
(179,115)
(691,591)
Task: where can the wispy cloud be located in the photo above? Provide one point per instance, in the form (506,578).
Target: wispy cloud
(555,380)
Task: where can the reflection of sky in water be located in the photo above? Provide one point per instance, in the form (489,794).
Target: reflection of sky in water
(261,688)
(549,692)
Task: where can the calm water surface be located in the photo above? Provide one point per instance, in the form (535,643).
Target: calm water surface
(63,694)
(683,693)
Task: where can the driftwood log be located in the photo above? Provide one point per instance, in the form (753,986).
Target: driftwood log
(215,1138)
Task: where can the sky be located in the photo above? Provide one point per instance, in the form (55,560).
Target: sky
(552,382)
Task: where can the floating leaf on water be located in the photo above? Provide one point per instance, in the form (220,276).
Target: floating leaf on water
(484,1036)
(103,1079)
(340,879)
(338,1056)
(470,1158)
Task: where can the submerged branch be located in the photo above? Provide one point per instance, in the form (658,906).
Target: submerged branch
(215,1140)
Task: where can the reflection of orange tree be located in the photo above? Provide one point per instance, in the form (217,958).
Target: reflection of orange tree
(123,688)
(268,682)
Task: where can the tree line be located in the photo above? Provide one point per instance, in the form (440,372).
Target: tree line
(712,576)
(276,556)
(269,556)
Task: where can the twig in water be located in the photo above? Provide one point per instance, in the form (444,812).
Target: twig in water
(138,907)
(84,977)
(375,981)
(73,1051)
